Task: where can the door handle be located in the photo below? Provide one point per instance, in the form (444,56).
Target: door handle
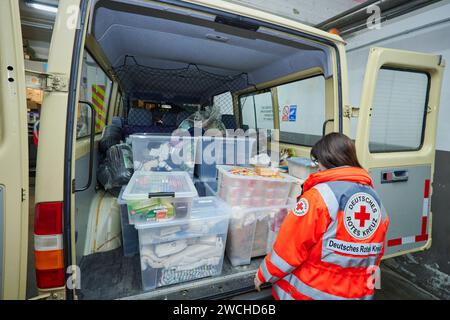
(91,146)
(393,176)
(324,126)
(161,195)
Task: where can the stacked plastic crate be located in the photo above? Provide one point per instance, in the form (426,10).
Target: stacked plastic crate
(259,206)
(181,236)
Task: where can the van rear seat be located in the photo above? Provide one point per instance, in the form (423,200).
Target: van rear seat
(229,121)
(141,121)
(169,122)
(182,116)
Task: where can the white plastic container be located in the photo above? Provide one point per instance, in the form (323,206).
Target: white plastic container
(253,191)
(184,249)
(252,232)
(301,167)
(159,196)
(164,153)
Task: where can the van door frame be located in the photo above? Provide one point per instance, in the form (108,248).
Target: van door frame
(69,152)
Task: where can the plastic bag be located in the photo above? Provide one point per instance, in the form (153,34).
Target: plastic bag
(208,119)
(117,168)
(112,135)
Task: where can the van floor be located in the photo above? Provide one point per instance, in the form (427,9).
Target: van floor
(110,275)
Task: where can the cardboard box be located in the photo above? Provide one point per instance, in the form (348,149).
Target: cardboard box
(33,81)
(35,95)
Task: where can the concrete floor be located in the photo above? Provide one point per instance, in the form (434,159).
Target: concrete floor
(393,285)
(396,287)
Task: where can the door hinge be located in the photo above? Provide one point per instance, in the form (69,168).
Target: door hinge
(351,111)
(50,82)
(56,82)
(23,195)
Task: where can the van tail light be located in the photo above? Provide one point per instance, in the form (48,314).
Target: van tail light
(48,245)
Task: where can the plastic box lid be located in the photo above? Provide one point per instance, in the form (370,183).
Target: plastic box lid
(120,200)
(203,208)
(145,184)
(305,162)
(225,170)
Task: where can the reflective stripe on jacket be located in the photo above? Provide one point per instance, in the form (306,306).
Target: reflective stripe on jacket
(328,245)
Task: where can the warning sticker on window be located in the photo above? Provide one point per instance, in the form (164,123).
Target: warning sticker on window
(289,113)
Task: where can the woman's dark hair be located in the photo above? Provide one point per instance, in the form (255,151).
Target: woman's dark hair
(335,150)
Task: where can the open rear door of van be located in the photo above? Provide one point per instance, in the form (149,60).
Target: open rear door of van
(55,187)
(13,156)
(396,139)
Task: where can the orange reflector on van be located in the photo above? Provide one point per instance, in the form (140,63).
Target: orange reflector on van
(49,260)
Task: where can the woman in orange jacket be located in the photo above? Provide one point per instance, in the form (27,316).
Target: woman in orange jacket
(330,245)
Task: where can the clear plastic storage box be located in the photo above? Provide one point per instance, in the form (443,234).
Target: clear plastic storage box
(252,191)
(184,249)
(301,167)
(214,151)
(252,232)
(164,153)
(130,241)
(159,196)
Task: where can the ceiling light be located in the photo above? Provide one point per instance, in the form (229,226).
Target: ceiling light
(41,6)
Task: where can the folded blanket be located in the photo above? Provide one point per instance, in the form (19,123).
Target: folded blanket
(204,251)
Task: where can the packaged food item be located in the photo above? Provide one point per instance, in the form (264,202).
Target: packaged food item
(151,209)
(241,186)
(266,171)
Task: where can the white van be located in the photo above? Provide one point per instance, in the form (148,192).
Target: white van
(111,52)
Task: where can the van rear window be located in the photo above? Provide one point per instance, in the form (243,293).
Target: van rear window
(301,107)
(398,111)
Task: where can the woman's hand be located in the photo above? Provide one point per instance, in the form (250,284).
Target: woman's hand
(257,283)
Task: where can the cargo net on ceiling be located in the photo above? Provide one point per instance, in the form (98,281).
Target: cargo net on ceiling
(188,85)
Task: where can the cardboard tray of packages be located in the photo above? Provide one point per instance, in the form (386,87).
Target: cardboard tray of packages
(250,191)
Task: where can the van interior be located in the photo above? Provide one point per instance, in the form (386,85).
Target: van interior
(180,60)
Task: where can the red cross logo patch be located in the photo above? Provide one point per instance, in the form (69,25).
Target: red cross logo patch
(362,216)
(301,208)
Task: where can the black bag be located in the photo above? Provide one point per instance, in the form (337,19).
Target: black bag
(117,168)
(112,135)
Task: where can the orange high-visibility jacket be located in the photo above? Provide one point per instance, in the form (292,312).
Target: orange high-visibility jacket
(330,245)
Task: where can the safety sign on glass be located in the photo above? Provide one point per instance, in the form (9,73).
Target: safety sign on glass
(289,113)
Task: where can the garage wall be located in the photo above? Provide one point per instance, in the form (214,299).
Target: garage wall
(426,30)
